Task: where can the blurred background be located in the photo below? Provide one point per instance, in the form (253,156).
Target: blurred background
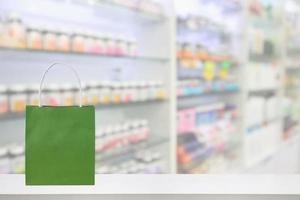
(195,86)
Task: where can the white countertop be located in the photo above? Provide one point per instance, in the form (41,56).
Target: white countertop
(164,184)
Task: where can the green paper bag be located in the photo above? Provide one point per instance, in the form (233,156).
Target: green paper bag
(60,144)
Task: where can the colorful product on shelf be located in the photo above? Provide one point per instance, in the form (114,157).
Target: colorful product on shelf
(100,44)
(15,98)
(77,42)
(189,119)
(111,45)
(105,93)
(63,41)
(50,41)
(14,34)
(224,69)
(52,95)
(214,73)
(67,95)
(34,38)
(203,132)
(193,55)
(121,135)
(33,96)
(116,93)
(93,96)
(89,42)
(4,106)
(197,87)
(191,149)
(209,70)
(145,162)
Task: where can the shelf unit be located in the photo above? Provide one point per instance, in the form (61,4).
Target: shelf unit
(8,53)
(291,73)
(263,56)
(197,27)
(150,63)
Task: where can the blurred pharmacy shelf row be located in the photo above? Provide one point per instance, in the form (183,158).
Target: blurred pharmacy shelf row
(192,86)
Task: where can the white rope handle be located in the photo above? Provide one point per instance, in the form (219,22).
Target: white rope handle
(44,75)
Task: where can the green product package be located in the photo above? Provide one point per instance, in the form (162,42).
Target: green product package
(60,144)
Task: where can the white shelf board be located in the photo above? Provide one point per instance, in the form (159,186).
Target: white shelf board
(21,115)
(33,55)
(164,184)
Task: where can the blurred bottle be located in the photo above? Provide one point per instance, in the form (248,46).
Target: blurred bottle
(15,36)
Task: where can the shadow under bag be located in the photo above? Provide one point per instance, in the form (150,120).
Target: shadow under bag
(60,143)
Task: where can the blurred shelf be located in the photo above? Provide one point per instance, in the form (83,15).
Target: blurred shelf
(212,29)
(199,77)
(262,58)
(289,115)
(116,154)
(212,92)
(197,74)
(212,58)
(206,152)
(255,127)
(12,116)
(262,91)
(291,127)
(293,67)
(292,63)
(292,87)
(265,24)
(284,144)
(294,138)
(20,115)
(293,51)
(199,132)
(291,131)
(122,10)
(26,54)
(196,100)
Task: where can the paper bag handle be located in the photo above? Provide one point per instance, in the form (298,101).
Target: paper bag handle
(44,75)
